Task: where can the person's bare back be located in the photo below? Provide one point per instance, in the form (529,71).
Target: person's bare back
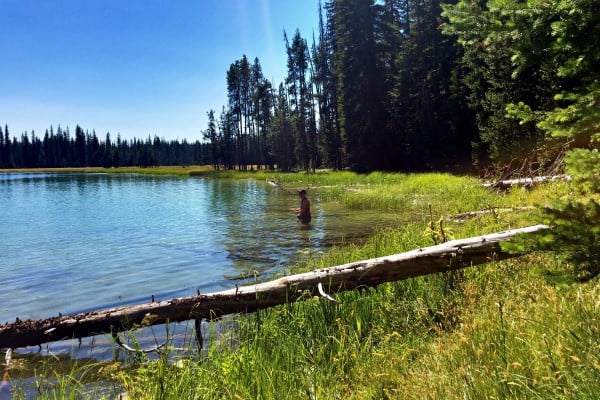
(303,213)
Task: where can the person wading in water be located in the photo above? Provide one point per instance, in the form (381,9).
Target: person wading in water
(303,213)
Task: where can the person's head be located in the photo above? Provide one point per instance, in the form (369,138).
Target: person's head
(302,193)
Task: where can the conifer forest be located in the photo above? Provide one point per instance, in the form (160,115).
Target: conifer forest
(396,85)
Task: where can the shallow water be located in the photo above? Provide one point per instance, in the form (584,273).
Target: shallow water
(77,242)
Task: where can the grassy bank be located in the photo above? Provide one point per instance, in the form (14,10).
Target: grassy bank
(173,170)
(504,330)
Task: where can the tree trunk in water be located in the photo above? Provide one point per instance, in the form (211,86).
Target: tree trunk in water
(448,256)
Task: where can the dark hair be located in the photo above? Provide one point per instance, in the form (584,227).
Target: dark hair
(302,191)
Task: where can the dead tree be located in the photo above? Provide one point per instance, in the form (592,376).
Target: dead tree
(526,182)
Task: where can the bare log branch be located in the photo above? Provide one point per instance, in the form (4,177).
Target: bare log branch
(527,182)
(325,295)
(130,349)
(444,257)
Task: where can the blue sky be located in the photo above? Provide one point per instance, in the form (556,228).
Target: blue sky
(135,67)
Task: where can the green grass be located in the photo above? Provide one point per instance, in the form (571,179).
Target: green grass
(516,329)
(403,193)
(496,331)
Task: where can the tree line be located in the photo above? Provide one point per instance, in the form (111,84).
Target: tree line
(59,149)
(375,87)
(388,85)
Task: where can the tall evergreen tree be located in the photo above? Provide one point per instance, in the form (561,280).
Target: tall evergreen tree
(8,160)
(488,32)
(246,111)
(210,134)
(360,85)
(234,94)
(2,151)
(38,156)
(80,148)
(227,128)
(261,112)
(110,155)
(24,155)
(567,33)
(282,133)
(324,81)
(434,121)
(299,91)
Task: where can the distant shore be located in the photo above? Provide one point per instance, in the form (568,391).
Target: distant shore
(165,170)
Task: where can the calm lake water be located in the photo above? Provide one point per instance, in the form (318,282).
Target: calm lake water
(77,242)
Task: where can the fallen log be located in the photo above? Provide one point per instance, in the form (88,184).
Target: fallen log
(526,182)
(444,257)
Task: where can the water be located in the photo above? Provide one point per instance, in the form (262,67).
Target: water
(77,242)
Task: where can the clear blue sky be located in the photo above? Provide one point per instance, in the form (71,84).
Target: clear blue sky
(135,67)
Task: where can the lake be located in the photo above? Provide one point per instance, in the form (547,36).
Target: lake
(78,242)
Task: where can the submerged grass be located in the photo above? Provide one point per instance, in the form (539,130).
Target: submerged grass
(504,330)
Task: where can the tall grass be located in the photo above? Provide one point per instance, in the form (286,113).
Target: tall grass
(411,340)
(504,330)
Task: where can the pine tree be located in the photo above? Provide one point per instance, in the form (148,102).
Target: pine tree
(300,101)
(282,133)
(325,84)
(261,112)
(2,150)
(360,85)
(8,158)
(234,94)
(227,129)
(433,125)
(210,134)
(571,50)
(489,33)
